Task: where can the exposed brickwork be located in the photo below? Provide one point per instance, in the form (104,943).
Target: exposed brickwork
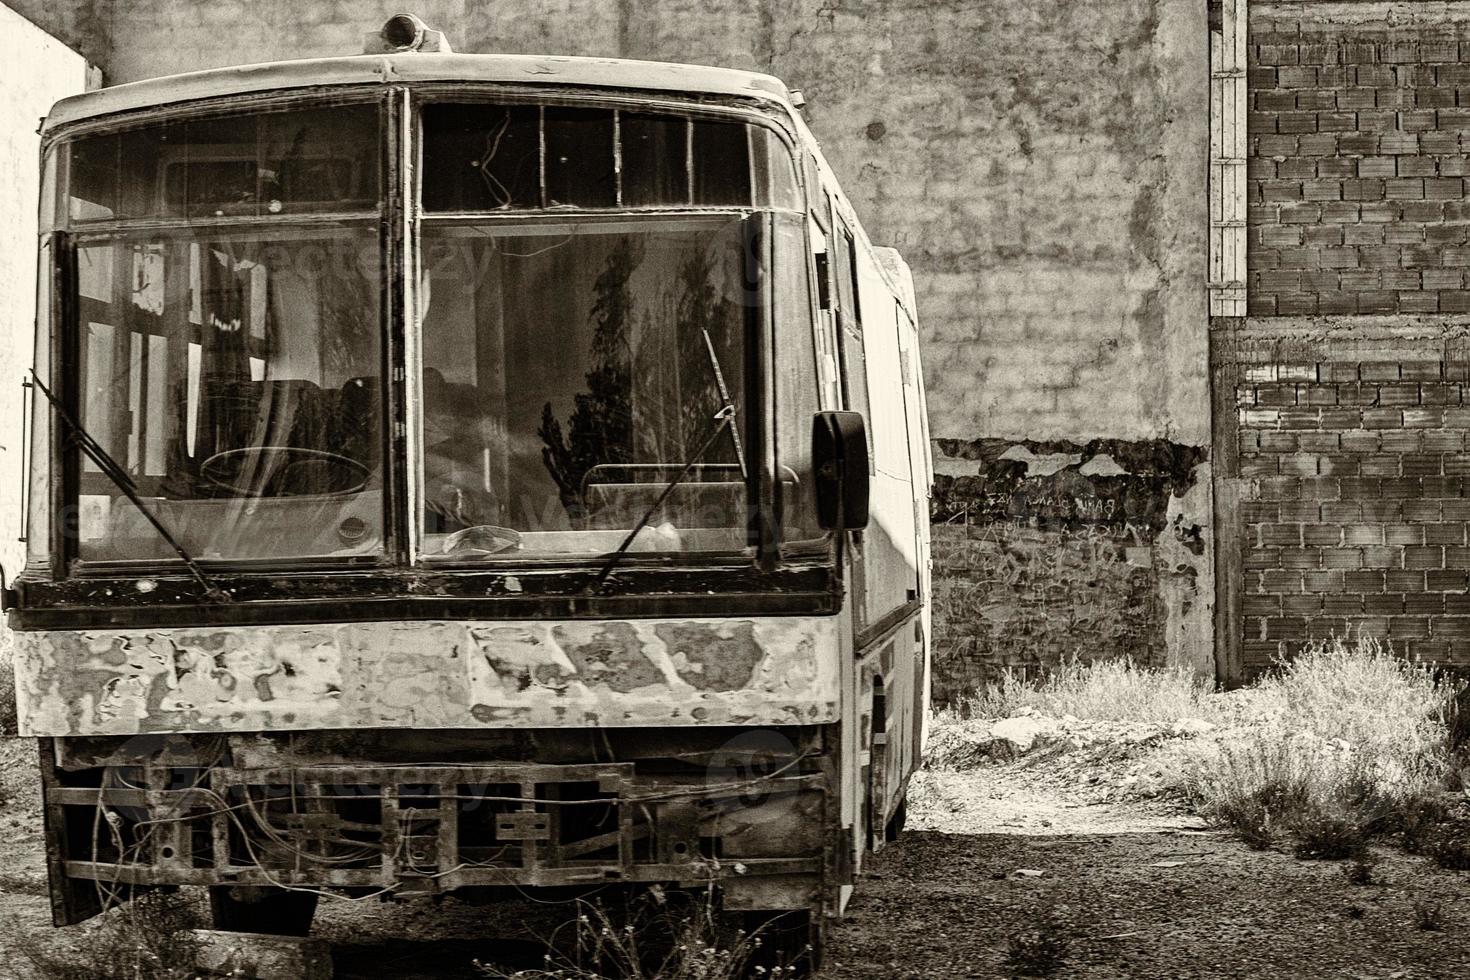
(1360,149)
(1359,514)
(1045,551)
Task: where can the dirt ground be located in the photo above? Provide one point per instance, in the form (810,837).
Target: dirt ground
(1135,890)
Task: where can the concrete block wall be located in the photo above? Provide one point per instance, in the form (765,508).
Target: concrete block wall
(1041,168)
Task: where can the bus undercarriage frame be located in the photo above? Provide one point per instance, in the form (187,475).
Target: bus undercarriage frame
(768,836)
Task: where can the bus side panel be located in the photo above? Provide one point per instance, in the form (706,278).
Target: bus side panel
(922,469)
(891,572)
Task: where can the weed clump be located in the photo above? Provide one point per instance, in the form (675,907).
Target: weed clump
(1342,744)
(147,939)
(1428,916)
(1419,822)
(1329,837)
(654,938)
(1037,952)
(1360,872)
(1449,846)
(1101,690)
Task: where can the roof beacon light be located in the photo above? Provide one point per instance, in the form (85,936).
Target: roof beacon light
(404,33)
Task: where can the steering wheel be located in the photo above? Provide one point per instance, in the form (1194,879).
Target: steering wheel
(290,471)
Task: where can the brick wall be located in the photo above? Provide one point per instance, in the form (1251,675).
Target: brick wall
(1360,148)
(1343,398)
(1357,515)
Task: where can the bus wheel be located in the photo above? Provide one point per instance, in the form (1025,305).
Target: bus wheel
(255,908)
(792,938)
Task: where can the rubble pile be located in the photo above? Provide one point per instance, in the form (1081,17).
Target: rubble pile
(1125,758)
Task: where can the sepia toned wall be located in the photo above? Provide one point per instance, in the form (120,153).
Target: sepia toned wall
(1042,169)
(1345,388)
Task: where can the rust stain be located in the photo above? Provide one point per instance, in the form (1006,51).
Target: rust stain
(429,675)
(722,657)
(609,654)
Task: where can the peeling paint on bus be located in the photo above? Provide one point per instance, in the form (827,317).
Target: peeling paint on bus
(767,671)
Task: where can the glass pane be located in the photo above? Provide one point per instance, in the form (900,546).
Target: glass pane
(798,391)
(570,372)
(92,181)
(721,155)
(261,164)
(235,379)
(48,218)
(481,157)
(775,172)
(655,159)
(579,157)
(846,275)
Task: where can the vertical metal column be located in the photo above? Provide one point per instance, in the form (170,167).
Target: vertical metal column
(1228,148)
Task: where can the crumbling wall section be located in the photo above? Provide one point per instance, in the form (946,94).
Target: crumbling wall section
(1049,551)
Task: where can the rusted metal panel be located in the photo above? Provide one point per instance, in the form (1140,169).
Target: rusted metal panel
(618,673)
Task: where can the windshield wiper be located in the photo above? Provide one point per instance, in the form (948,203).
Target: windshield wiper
(726,402)
(723,419)
(120,478)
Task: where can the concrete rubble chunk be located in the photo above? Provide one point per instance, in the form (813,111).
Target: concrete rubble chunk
(1023,732)
(1102,465)
(1193,726)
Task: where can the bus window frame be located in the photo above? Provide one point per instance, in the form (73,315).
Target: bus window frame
(398,214)
(764,540)
(68,235)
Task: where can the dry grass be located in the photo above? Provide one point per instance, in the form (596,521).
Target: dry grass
(653,938)
(1343,743)
(146,939)
(1105,690)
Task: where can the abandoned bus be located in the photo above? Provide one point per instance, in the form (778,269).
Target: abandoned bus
(452,473)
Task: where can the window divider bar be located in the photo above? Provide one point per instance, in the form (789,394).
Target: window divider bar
(689,162)
(618,156)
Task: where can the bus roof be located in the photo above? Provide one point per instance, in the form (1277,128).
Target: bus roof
(418,67)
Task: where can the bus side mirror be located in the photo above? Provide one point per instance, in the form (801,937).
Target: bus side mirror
(840,459)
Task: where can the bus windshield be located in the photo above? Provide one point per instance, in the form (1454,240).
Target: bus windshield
(571,370)
(586,298)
